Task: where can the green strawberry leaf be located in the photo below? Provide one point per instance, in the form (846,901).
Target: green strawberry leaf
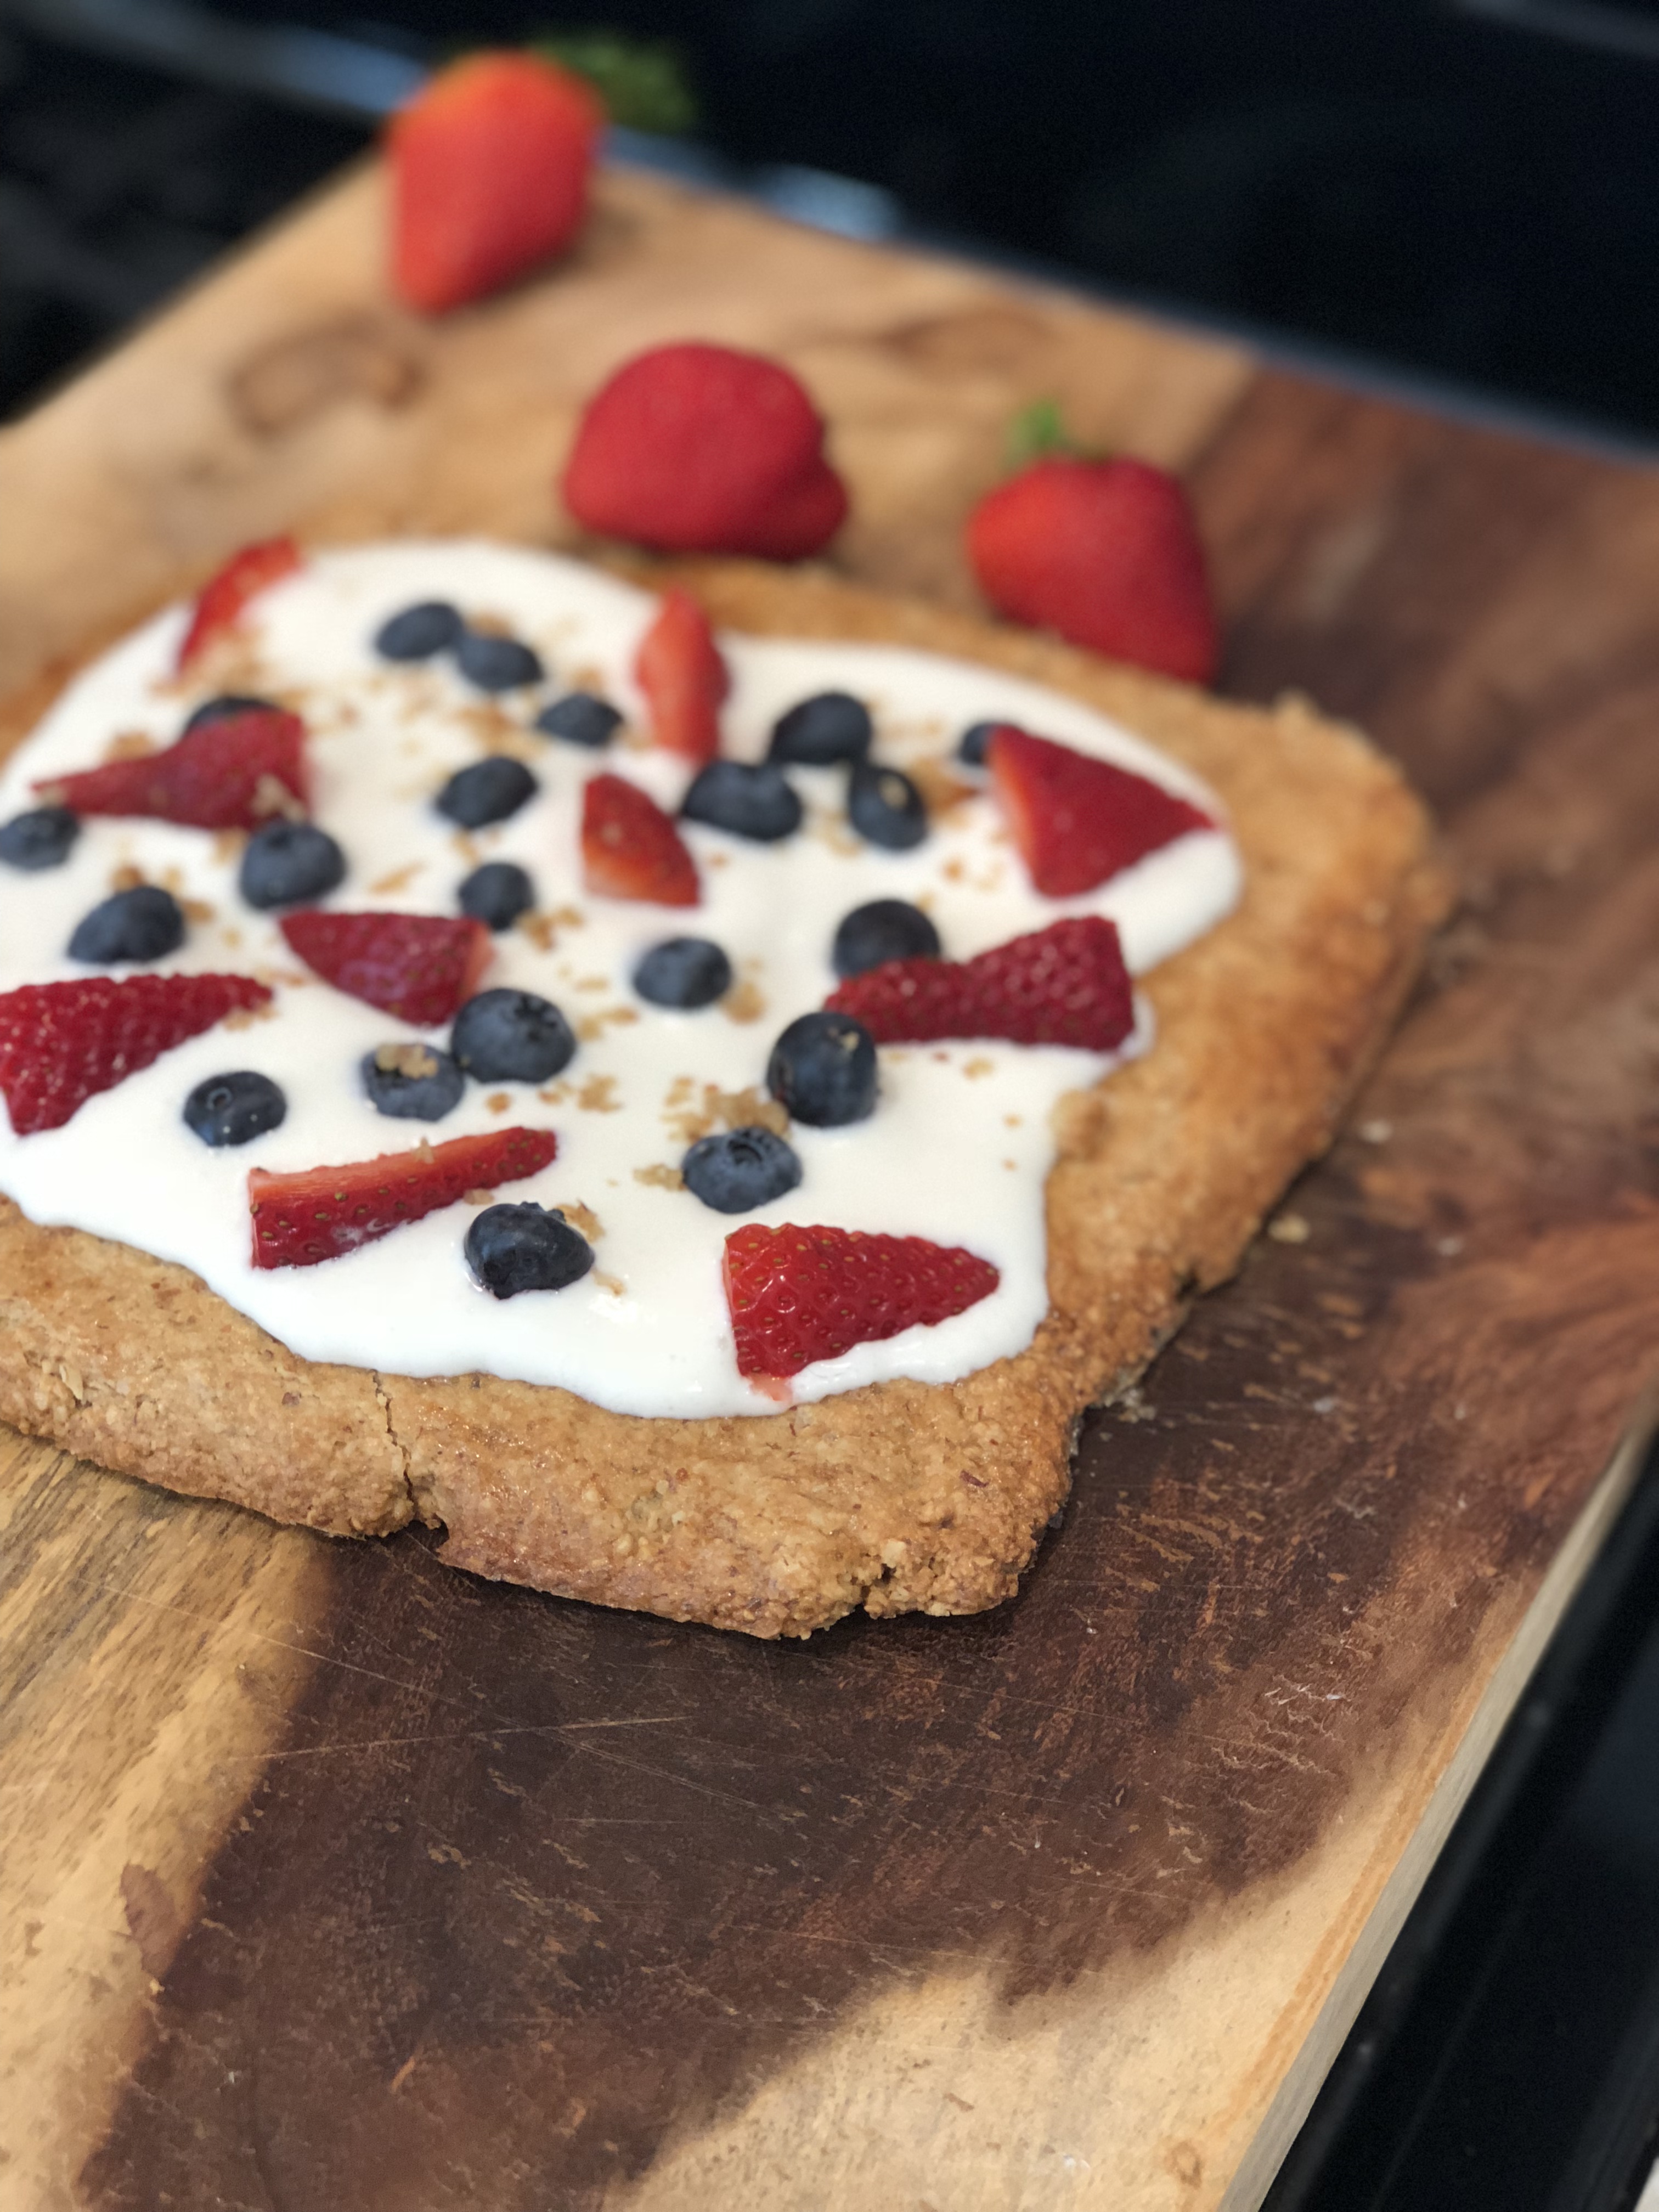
(641,81)
(1038,433)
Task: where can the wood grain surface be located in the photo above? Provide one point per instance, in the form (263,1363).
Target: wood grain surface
(334,1878)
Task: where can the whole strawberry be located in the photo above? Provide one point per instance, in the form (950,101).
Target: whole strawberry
(702,449)
(489,169)
(1107,553)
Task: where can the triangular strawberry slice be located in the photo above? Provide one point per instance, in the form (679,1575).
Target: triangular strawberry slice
(797,1295)
(320,1213)
(1063,985)
(219,604)
(60,1043)
(1079,821)
(418,966)
(630,848)
(234,773)
(679,669)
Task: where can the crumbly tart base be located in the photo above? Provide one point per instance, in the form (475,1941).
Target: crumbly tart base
(905,1496)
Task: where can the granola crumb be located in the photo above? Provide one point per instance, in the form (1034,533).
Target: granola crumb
(397,878)
(744,1001)
(583,1217)
(593,1025)
(414,1061)
(498,1102)
(661,1178)
(272,797)
(130,745)
(598,1096)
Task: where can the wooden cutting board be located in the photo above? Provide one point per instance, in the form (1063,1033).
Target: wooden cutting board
(336,1880)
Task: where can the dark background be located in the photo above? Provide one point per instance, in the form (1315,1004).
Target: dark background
(1459,199)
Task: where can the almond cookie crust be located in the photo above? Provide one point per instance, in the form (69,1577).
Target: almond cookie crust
(904,1496)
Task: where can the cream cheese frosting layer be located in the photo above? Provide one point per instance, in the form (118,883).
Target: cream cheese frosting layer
(961,1142)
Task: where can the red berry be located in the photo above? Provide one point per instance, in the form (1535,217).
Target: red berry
(224,597)
(320,1213)
(702,449)
(1063,985)
(797,1295)
(1105,552)
(418,966)
(1077,820)
(489,169)
(234,773)
(61,1043)
(679,669)
(630,848)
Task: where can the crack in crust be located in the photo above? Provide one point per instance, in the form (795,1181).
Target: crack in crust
(903,1497)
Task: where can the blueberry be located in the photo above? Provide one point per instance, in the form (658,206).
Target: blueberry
(497,663)
(740,1170)
(497,894)
(886,929)
(684,971)
(412,1082)
(286,863)
(221,709)
(833,726)
(39,839)
(233,1109)
(754,802)
(419,632)
(884,805)
(143,924)
(970,747)
(511,1036)
(580,720)
(488,790)
(824,1069)
(526,1247)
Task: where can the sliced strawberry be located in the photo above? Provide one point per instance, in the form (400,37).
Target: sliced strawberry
(797,1295)
(489,169)
(1063,985)
(1077,820)
(62,1042)
(320,1213)
(224,597)
(630,848)
(679,669)
(418,966)
(234,773)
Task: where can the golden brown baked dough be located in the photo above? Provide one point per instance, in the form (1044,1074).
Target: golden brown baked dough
(899,1497)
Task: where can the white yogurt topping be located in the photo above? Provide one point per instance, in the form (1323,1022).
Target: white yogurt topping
(960,1144)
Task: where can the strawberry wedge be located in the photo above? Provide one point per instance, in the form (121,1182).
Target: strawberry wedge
(226,595)
(679,669)
(418,966)
(630,848)
(319,1213)
(234,773)
(1063,985)
(797,1295)
(61,1044)
(1079,821)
